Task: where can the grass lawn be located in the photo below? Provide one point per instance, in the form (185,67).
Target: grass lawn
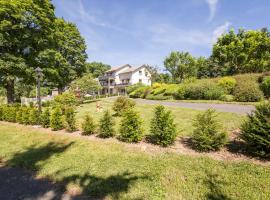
(183,116)
(108,170)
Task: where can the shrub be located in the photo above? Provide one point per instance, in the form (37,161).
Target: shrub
(34,116)
(227,98)
(1,112)
(158,90)
(9,113)
(25,115)
(131,127)
(45,118)
(265,86)
(180,94)
(70,122)
(88,125)
(157,85)
(158,97)
(140,92)
(171,90)
(106,124)
(207,135)
(227,83)
(56,119)
(256,130)
(131,88)
(19,115)
(122,104)
(247,92)
(163,128)
(65,99)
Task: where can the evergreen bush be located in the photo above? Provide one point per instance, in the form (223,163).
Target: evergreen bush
(106,124)
(163,129)
(131,126)
(25,115)
(19,115)
(265,86)
(56,119)
(45,118)
(9,113)
(122,104)
(88,125)
(34,118)
(1,112)
(207,135)
(70,121)
(256,130)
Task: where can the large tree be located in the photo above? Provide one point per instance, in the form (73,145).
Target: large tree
(181,65)
(97,68)
(25,30)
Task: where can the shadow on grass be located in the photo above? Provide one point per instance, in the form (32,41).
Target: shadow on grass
(22,183)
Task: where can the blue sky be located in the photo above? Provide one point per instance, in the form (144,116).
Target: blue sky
(146,31)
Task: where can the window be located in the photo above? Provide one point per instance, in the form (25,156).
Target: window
(146,73)
(140,80)
(140,72)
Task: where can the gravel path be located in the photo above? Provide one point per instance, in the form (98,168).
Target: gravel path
(234,108)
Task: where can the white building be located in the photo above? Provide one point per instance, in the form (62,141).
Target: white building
(115,80)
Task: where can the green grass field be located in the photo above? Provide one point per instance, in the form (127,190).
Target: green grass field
(108,170)
(183,116)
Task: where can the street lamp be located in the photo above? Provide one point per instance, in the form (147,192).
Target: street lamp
(38,76)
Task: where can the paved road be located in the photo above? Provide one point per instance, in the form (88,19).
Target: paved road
(234,108)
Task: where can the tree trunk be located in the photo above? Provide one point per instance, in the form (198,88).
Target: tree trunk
(60,90)
(10,91)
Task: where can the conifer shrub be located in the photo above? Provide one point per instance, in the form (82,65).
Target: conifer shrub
(56,119)
(19,115)
(163,129)
(265,86)
(70,121)
(106,125)
(34,117)
(45,118)
(122,104)
(208,134)
(88,125)
(131,126)
(255,131)
(25,115)
(9,113)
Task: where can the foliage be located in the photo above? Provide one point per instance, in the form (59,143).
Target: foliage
(65,99)
(140,92)
(181,93)
(45,118)
(121,104)
(88,125)
(44,91)
(172,89)
(156,85)
(163,129)
(227,83)
(227,98)
(34,116)
(158,97)
(131,126)
(255,131)
(106,124)
(132,88)
(265,86)
(181,65)
(19,115)
(9,113)
(247,91)
(56,119)
(96,68)
(25,115)
(207,135)
(70,121)
(159,90)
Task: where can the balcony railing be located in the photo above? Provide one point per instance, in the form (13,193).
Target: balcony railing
(106,77)
(114,84)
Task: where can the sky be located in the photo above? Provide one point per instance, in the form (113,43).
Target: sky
(137,32)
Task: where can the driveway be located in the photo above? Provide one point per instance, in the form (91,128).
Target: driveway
(234,108)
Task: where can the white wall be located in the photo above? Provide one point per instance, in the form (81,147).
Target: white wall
(117,79)
(136,76)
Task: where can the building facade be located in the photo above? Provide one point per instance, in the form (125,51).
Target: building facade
(115,80)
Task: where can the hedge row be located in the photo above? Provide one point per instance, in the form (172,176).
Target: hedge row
(242,88)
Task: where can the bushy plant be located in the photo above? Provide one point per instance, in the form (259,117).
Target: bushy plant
(158,97)
(265,86)
(140,92)
(131,126)
(247,92)
(227,98)
(163,129)
(45,118)
(65,99)
(255,131)
(131,88)
(207,134)
(56,119)
(106,124)
(228,84)
(121,104)
(88,125)
(9,113)
(70,121)
(157,85)
(34,117)
(159,90)
(25,115)
(19,115)
(171,89)
(181,93)
(1,112)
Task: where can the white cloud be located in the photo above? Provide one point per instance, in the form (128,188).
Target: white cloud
(212,4)
(220,30)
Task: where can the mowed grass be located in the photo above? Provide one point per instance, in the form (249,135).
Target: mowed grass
(106,170)
(183,116)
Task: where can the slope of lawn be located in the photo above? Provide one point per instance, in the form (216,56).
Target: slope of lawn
(107,170)
(183,116)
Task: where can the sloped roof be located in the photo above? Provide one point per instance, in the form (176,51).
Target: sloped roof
(132,69)
(118,68)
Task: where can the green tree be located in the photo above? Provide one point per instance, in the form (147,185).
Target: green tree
(97,68)
(181,65)
(45,118)
(56,119)
(88,125)
(106,124)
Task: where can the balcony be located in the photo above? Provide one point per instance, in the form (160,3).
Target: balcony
(106,77)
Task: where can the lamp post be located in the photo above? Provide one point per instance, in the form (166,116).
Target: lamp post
(38,76)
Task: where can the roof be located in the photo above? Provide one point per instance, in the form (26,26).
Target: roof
(118,68)
(132,69)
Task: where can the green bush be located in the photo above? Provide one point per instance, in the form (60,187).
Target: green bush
(140,92)
(158,90)
(88,125)
(131,127)
(106,124)
(121,104)
(228,84)
(158,97)
(180,94)
(9,113)
(45,118)
(25,115)
(34,118)
(256,130)
(132,88)
(56,119)
(171,89)
(19,115)
(70,121)
(265,86)
(163,129)
(1,112)
(227,98)
(207,135)
(247,92)
(65,99)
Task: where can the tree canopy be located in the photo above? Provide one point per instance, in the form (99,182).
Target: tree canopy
(97,68)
